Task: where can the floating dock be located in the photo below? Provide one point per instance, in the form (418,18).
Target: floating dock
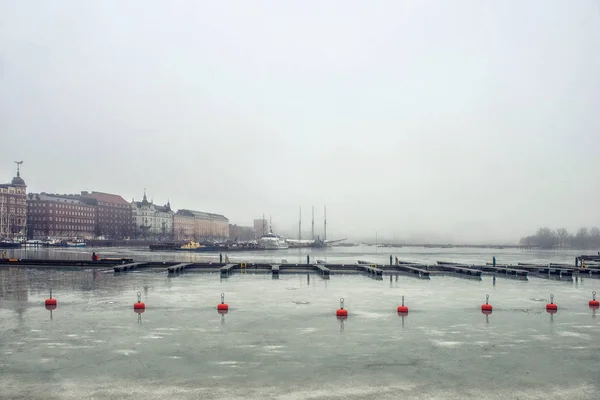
(559,271)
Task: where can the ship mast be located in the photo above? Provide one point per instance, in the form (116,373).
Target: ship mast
(325,226)
(300,225)
(313,223)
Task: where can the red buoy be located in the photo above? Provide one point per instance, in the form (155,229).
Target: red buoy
(551,307)
(51,301)
(139,310)
(402,309)
(50,307)
(487,307)
(593,302)
(139,305)
(341,312)
(223,306)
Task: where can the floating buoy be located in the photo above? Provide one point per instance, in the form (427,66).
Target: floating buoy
(222,307)
(50,302)
(593,302)
(551,307)
(402,309)
(487,307)
(341,312)
(139,306)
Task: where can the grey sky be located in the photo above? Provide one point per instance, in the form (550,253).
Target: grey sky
(457,120)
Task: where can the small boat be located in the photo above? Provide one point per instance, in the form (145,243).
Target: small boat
(191,245)
(9,244)
(34,243)
(76,244)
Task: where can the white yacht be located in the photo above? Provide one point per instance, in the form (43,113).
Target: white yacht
(271,241)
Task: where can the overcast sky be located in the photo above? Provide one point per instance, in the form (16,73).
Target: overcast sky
(452,120)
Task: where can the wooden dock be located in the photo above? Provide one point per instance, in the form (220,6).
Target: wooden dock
(415,270)
(461,270)
(559,271)
(174,269)
(129,267)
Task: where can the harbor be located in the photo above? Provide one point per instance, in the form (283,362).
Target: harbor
(274,326)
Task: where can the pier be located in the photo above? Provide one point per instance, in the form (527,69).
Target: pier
(586,266)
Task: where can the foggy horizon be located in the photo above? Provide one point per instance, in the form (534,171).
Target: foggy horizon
(465,122)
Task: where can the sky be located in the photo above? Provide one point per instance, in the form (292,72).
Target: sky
(439,121)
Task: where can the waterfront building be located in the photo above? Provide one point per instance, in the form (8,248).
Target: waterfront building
(152,221)
(261,227)
(61,216)
(184,223)
(13,207)
(114,215)
(207,226)
(241,233)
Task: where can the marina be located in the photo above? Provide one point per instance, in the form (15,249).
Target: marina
(158,318)
(93,344)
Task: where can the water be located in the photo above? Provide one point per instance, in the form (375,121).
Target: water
(281,340)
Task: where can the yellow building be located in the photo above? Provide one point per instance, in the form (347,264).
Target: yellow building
(189,224)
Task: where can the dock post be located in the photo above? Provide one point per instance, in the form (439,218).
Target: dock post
(220,258)
(308,259)
(576,261)
(391,260)
(494,261)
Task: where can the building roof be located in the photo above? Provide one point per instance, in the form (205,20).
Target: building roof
(17,180)
(202,215)
(106,197)
(70,198)
(166,208)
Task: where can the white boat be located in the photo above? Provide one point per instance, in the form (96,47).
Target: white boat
(271,241)
(75,244)
(34,243)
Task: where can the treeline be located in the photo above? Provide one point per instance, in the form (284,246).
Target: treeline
(547,238)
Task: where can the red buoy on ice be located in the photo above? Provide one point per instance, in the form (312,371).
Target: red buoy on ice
(50,302)
(222,307)
(341,312)
(551,307)
(593,302)
(487,307)
(139,306)
(402,309)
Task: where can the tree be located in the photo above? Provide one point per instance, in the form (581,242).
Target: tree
(546,238)
(563,237)
(595,237)
(581,239)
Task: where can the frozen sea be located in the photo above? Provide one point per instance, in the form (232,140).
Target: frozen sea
(281,339)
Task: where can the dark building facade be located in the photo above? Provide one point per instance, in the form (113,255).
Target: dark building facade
(13,207)
(60,216)
(114,215)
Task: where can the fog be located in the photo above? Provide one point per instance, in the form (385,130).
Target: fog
(448,121)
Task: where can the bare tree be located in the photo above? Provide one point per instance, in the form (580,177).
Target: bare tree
(563,236)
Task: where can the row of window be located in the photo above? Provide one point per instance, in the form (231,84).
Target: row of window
(71,220)
(12,200)
(62,229)
(12,190)
(60,212)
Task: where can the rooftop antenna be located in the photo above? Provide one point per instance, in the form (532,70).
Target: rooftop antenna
(270,224)
(263,225)
(325,226)
(313,223)
(300,225)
